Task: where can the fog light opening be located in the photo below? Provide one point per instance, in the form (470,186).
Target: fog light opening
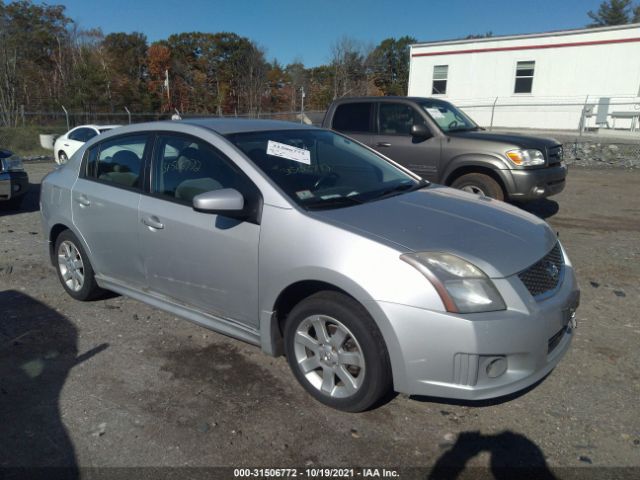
(496,367)
(539,190)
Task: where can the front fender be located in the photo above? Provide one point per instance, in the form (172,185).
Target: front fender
(496,164)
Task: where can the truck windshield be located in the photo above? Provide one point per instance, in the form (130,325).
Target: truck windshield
(448,117)
(319,169)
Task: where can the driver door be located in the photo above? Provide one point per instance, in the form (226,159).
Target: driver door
(204,261)
(394,140)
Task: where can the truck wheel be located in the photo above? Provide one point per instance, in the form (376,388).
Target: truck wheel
(480,184)
(337,353)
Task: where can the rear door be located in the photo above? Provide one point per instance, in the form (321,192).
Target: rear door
(354,119)
(206,261)
(105,206)
(393,139)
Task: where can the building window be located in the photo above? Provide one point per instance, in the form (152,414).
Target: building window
(440,73)
(524,77)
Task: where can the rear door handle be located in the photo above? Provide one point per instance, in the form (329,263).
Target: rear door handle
(153,222)
(83,201)
(383,144)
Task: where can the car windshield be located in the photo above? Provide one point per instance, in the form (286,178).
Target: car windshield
(319,169)
(448,117)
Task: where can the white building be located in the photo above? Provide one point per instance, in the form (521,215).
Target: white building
(554,80)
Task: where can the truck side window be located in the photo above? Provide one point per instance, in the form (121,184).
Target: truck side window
(398,118)
(353,117)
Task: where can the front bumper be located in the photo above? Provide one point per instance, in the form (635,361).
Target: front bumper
(448,355)
(537,183)
(13,184)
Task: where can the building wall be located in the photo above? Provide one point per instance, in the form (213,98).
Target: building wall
(569,66)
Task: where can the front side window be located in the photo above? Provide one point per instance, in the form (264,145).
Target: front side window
(524,77)
(353,117)
(119,161)
(184,167)
(398,118)
(448,117)
(319,169)
(440,77)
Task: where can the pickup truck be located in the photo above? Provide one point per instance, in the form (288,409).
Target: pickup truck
(441,143)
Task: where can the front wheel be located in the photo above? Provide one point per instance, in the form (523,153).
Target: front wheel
(480,184)
(337,353)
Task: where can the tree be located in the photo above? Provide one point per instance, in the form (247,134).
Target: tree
(612,12)
(349,67)
(636,15)
(389,63)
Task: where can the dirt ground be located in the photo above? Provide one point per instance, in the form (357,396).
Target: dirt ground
(117,383)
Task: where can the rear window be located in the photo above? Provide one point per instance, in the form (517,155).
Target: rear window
(353,117)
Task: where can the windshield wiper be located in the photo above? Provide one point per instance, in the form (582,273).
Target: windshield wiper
(403,188)
(333,202)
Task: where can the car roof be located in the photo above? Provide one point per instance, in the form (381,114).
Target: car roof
(386,99)
(225,126)
(109,127)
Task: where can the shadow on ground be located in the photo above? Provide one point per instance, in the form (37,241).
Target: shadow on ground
(512,456)
(543,208)
(38,348)
(30,202)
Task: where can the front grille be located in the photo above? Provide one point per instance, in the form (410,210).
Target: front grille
(544,275)
(555,155)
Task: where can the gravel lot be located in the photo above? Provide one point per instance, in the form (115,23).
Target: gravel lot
(117,383)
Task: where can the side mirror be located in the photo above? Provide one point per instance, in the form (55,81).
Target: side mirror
(226,201)
(420,131)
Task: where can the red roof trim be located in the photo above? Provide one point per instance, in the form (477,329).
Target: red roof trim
(529,47)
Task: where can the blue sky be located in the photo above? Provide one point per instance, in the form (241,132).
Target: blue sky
(306,29)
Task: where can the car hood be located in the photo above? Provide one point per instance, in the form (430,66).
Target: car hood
(497,237)
(521,141)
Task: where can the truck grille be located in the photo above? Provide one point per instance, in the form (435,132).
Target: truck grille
(555,155)
(544,275)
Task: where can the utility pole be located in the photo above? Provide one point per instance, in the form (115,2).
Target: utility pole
(166,84)
(302,95)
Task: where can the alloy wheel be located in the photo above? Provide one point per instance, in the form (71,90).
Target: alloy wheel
(329,356)
(71,266)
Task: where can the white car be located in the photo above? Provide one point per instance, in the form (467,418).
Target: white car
(67,144)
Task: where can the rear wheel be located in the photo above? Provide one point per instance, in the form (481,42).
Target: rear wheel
(62,158)
(337,353)
(480,184)
(74,269)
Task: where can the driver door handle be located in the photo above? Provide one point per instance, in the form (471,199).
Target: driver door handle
(153,222)
(383,144)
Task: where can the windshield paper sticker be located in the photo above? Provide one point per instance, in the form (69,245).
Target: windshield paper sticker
(290,153)
(435,113)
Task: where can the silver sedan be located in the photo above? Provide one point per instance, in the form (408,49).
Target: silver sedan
(306,243)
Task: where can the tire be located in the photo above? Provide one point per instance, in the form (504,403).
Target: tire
(350,333)
(74,269)
(62,158)
(480,184)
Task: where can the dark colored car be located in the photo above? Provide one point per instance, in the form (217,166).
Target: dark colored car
(14,181)
(441,143)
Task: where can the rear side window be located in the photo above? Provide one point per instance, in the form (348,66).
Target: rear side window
(119,161)
(353,117)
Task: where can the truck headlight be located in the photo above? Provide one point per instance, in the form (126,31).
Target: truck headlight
(11,164)
(462,286)
(526,158)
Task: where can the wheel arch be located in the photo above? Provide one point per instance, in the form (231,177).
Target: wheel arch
(500,176)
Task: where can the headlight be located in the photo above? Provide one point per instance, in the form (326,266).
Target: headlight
(462,286)
(526,158)
(12,164)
